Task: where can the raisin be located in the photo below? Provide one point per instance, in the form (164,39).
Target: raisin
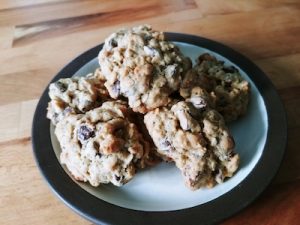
(120,178)
(61,86)
(85,133)
(205,57)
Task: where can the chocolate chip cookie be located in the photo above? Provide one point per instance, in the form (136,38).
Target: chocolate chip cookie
(75,95)
(139,64)
(230,91)
(196,138)
(102,145)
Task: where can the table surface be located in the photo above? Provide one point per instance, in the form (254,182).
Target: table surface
(38,37)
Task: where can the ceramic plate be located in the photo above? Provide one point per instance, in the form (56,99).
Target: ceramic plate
(157,195)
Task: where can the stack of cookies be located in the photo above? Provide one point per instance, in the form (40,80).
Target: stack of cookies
(145,103)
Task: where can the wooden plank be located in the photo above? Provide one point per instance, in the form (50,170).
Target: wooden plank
(283,71)
(275,27)
(16,120)
(39,37)
(233,6)
(13,4)
(222,28)
(25,196)
(25,33)
(63,10)
(35,80)
(278,205)
(47,29)
(51,53)
(6,37)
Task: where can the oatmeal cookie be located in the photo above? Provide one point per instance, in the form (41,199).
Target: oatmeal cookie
(102,146)
(75,95)
(230,91)
(196,138)
(142,66)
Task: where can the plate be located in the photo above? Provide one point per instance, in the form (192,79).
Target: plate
(157,195)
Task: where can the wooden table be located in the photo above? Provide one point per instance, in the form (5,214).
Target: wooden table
(38,37)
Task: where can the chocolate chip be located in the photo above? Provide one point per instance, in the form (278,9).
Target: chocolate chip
(230,69)
(99,154)
(231,154)
(61,86)
(176,95)
(113,43)
(85,133)
(96,147)
(147,38)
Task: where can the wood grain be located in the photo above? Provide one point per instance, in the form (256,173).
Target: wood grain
(38,37)
(281,206)
(25,197)
(30,32)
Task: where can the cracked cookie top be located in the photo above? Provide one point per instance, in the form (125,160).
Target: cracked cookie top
(142,66)
(196,138)
(75,95)
(102,145)
(230,91)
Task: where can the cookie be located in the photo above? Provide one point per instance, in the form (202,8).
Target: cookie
(75,95)
(230,91)
(142,66)
(153,157)
(102,145)
(196,138)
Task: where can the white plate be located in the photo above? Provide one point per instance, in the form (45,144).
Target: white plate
(161,188)
(157,195)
